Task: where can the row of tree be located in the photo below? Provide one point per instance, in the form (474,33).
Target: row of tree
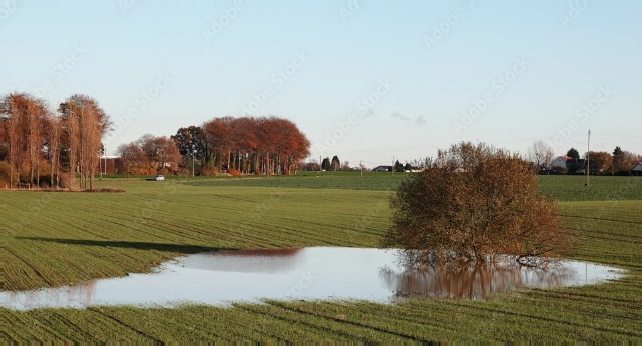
(42,143)
(248,145)
(541,155)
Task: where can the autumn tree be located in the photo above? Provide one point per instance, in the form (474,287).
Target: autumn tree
(15,137)
(271,145)
(85,123)
(161,152)
(25,129)
(473,203)
(601,160)
(623,161)
(132,156)
(54,137)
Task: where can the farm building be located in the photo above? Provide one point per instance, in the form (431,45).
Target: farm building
(382,169)
(637,170)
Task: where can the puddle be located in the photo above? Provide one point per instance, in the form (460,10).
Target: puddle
(318,273)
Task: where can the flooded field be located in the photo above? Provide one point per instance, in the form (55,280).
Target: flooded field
(317,273)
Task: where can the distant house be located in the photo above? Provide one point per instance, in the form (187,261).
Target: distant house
(382,169)
(637,170)
(560,162)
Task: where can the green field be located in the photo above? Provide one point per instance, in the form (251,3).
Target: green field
(53,239)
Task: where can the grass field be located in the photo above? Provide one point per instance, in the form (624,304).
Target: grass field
(53,239)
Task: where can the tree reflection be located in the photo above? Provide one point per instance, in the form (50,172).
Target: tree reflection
(474,281)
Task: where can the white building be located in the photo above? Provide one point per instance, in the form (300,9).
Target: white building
(560,162)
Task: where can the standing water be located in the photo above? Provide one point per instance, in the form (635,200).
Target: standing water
(317,273)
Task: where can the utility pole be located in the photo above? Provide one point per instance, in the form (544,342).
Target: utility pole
(392,170)
(588,159)
(100,168)
(192,164)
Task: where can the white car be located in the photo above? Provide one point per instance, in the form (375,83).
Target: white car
(159,177)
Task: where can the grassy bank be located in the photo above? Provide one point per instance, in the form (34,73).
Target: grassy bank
(53,239)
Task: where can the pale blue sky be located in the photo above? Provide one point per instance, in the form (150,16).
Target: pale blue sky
(504,72)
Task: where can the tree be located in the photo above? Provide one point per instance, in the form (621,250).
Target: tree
(601,160)
(160,152)
(573,153)
(54,134)
(399,167)
(471,204)
(269,144)
(325,164)
(335,164)
(132,156)
(85,124)
(623,161)
(408,167)
(540,154)
(192,141)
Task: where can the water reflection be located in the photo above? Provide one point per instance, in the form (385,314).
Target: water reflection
(320,273)
(475,281)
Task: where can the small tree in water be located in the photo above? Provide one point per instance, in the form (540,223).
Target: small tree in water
(471,204)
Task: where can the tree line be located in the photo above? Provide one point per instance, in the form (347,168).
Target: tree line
(619,162)
(245,145)
(42,144)
(62,147)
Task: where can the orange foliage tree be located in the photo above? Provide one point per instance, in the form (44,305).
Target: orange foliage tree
(471,204)
(267,145)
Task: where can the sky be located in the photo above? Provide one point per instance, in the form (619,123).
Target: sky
(368,81)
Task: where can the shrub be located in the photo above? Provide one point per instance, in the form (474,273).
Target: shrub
(471,204)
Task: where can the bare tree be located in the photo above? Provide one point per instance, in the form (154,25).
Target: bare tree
(14,125)
(25,130)
(54,133)
(540,153)
(86,123)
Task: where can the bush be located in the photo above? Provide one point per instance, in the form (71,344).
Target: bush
(207,170)
(234,172)
(472,204)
